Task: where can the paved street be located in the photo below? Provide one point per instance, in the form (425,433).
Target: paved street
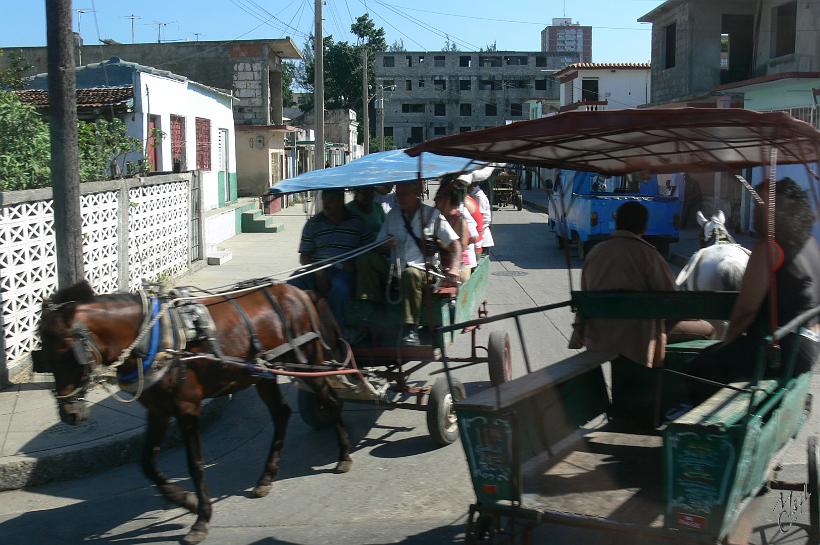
(401,488)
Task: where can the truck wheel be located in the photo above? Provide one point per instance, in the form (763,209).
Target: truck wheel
(441,418)
(813,454)
(500,360)
(559,240)
(519,203)
(665,249)
(580,247)
(312,412)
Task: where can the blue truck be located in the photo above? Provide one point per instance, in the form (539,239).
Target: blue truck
(586,213)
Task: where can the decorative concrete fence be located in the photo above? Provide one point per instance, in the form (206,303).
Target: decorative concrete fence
(132,229)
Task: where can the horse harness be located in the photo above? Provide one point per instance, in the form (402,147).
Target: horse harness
(164,348)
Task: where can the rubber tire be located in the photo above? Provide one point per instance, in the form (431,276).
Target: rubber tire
(311,412)
(665,249)
(441,432)
(519,203)
(559,240)
(813,455)
(500,360)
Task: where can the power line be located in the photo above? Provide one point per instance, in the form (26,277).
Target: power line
(349,13)
(251,9)
(428,27)
(496,20)
(392,26)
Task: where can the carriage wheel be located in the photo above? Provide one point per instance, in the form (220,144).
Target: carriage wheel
(441,417)
(500,361)
(813,489)
(312,412)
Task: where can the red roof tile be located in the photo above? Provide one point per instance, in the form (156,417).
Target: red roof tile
(86,98)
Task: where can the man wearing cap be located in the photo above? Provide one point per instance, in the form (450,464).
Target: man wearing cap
(414,232)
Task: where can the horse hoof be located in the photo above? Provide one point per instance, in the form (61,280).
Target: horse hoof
(343,466)
(196,535)
(190,502)
(261,490)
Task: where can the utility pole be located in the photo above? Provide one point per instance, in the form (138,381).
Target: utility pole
(197,35)
(380,111)
(133,18)
(365,103)
(319,86)
(65,169)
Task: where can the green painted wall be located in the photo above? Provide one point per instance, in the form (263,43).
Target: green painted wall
(232,188)
(790,93)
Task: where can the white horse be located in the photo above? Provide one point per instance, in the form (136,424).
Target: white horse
(717,267)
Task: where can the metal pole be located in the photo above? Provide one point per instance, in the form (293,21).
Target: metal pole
(65,169)
(319,85)
(365,103)
(381,117)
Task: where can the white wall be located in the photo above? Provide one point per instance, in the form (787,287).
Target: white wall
(162,96)
(626,88)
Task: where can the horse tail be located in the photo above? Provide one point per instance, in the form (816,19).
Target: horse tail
(684,277)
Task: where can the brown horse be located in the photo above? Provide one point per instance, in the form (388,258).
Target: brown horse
(78,325)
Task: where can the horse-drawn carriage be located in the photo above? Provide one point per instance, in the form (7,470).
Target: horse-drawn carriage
(505,190)
(542,449)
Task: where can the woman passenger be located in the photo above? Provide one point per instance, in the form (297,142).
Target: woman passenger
(796,263)
(450,202)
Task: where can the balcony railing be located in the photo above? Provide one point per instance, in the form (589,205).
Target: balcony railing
(586,106)
(809,114)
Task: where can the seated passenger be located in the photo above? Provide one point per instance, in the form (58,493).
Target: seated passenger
(797,283)
(450,202)
(414,232)
(627,262)
(487,242)
(330,233)
(386,197)
(363,205)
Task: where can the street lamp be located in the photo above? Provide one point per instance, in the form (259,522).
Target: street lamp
(80,34)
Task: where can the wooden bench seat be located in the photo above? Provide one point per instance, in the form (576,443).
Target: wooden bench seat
(726,406)
(510,393)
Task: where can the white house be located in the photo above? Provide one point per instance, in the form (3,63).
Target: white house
(183,126)
(601,86)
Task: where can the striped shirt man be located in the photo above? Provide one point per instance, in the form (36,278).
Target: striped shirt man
(323,239)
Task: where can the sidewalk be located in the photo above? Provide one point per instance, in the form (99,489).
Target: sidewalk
(536,198)
(35,447)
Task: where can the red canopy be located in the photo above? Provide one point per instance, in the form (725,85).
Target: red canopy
(657,140)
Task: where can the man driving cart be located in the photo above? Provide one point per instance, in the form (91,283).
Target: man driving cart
(415,235)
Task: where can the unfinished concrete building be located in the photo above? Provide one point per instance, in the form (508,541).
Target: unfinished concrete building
(429,94)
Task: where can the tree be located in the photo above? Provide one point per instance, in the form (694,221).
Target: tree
(343,67)
(489,48)
(449,45)
(367,34)
(288,76)
(388,144)
(11,77)
(25,148)
(397,46)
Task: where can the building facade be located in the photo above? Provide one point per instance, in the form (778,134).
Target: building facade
(430,94)
(602,86)
(565,36)
(250,69)
(762,56)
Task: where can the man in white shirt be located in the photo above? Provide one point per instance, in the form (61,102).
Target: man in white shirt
(407,230)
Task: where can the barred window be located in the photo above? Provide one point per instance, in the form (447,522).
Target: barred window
(178,143)
(203,143)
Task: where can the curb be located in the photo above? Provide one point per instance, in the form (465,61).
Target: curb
(25,471)
(539,207)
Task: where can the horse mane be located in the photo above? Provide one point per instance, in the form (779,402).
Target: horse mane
(81,292)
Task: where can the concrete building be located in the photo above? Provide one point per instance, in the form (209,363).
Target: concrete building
(602,86)
(341,134)
(704,51)
(251,69)
(565,36)
(438,93)
(762,56)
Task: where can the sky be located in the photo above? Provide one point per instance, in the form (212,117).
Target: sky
(514,25)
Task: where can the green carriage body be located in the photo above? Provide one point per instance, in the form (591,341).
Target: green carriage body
(708,465)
